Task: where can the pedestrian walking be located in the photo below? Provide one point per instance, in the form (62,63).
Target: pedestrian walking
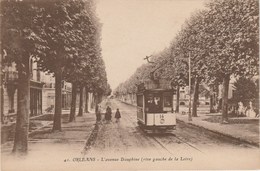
(108,114)
(117,115)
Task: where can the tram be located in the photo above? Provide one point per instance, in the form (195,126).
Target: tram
(155,107)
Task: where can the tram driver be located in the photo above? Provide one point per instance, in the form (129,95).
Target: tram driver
(154,104)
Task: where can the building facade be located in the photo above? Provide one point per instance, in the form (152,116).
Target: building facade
(48,99)
(185,97)
(9,91)
(42,92)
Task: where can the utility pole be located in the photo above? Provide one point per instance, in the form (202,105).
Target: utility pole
(189,115)
(2,82)
(1,90)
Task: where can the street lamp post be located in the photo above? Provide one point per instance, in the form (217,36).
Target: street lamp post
(1,91)
(189,115)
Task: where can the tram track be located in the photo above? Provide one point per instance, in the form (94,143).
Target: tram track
(172,135)
(127,137)
(187,143)
(134,123)
(151,136)
(161,144)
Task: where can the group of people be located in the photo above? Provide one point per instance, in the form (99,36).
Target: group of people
(246,111)
(108,114)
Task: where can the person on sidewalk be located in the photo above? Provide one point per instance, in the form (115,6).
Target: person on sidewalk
(117,115)
(108,114)
(240,110)
(250,111)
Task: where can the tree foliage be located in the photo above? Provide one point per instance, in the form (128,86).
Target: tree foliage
(17,41)
(63,36)
(232,29)
(221,40)
(245,89)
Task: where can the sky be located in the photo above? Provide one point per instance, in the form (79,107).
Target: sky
(134,29)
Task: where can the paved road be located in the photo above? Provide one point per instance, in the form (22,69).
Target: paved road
(124,146)
(126,138)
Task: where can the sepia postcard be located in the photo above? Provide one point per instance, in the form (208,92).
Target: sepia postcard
(129,85)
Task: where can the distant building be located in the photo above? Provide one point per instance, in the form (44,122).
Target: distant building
(184,97)
(9,94)
(42,92)
(49,93)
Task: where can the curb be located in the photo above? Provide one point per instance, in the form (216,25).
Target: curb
(92,138)
(223,134)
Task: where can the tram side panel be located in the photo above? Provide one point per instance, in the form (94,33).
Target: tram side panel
(140,115)
(140,107)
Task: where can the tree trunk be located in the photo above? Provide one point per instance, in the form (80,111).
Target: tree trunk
(86,101)
(22,120)
(58,100)
(99,98)
(211,103)
(81,101)
(1,90)
(177,99)
(195,97)
(217,98)
(2,103)
(225,99)
(73,102)
(93,101)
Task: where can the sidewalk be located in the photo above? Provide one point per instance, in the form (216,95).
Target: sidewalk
(49,150)
(242,128)
(36,123)
(73,136)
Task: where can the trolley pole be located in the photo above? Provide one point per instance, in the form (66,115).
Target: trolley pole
(189,115)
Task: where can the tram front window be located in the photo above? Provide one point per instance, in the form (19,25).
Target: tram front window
(154,103)
(167,101)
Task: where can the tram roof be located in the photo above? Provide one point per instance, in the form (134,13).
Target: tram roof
(159,85)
